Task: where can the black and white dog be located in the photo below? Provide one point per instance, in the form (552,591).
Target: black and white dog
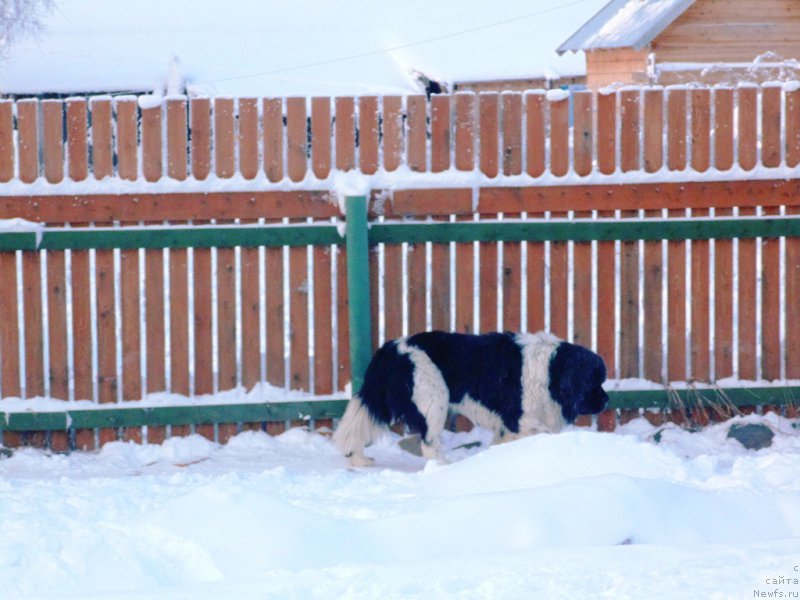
(515,384)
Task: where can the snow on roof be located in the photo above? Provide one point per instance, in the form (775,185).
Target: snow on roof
(626,23)
(303,47)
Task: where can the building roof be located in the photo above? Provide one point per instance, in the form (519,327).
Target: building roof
(626,24)
(302,47)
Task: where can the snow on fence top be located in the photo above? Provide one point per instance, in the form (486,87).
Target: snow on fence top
(118,145)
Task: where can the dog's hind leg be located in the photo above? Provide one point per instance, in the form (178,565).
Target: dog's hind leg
(356,429)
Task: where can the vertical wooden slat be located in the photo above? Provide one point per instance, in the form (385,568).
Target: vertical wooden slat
(700,306)
(559,251)
(535,134)
(629,130)
(465,114)
(200,144)
(298,319)
(296,139)
(488,114)
(224,138)
(440,286)
(345,133)
(177,140)
(465,292)
(416,152)
(323,321)
(771,302)
(676,307)
(152,136)
(464,131)
(274,312)
(392,132)
(440,133)
(748,126)
(127,138)
(771,125)
(582,290)
(343,324)
(393,290)
(792,293)
(28,140)
(416,261)
(701,129)
(606,132)
(535,282)
(53,140)
(792,128)
(9,328)
(248,137)
(582,133)
(676,129)
(77,139)
(368,134)
(606,280)
(747,304)
(321,136)
(559,136)
(512,133)
(653,129)
(723,128)
(6,140)
(273,138)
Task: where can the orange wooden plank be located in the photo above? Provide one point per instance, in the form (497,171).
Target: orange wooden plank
(512,133)
(535,282)
(700,307)
(701,129)
(676,307)
(464,131)
(723,303)
(247,138)
(154,320)
(345,133)
(416,288)
(202,323)
(559,136)
(583,133)
(416,151)
(368,134)
(629,101)
(177,140)
(723,128)
(251,317)
(106,335)
(200,144)
(559,284)
(393,290)
(323,321)
(57,325)
(653,302)
(606,132)
(273,138)
(792,293)
(179,321)
(771,98)
(28,140)
(440,133)
(102,139)
(770,303)
(748,126)
(535,134)
(374,295)
(321,136)
(606,290)
(629,307)
(224,138)
(747,305)
(465,287)
(274,312)
(6,140)
(32,309)
(676,129)
(9,328)
(127,138)
(392,132)
(226,319)
(53,140)
(488,133)
(296,139)
(512,286)
(131,329)
(653,130)
(487,280)
(793,128)
(298,319)
(77,139)
(343,375)
(152,150)
(440,286)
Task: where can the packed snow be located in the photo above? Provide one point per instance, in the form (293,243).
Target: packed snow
(646,512)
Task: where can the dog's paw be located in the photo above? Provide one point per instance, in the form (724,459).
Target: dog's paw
(360,461)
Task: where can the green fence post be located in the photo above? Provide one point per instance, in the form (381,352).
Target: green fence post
(358,289)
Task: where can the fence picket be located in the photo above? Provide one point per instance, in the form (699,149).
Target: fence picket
(345,133)
(392,132)
(6,141)
(368,134)
(321,136)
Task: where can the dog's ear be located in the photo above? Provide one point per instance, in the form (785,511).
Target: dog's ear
(575,373)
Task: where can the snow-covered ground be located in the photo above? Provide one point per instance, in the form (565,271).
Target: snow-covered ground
(645,512)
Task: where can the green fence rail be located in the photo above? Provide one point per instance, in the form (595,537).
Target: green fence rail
(359,235)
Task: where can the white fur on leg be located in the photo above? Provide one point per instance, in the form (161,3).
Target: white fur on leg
(540,413)
(355,431)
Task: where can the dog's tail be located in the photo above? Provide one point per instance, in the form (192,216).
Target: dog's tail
(356,430)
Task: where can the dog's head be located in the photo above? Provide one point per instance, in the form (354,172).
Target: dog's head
(576,379)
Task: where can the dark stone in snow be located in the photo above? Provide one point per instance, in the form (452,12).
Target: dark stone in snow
(752,436)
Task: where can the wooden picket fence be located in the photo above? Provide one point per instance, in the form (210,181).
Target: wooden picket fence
(194,246)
